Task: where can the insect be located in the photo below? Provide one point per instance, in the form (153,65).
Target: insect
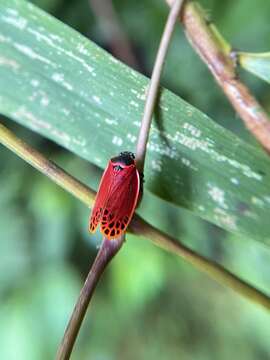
(117,196)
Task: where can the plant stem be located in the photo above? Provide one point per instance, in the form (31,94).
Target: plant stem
(220,62)
(138,225)
(154,84)
(207,266)
(107,251)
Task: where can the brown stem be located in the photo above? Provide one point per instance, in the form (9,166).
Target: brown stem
(211,268)
(154,84)
(107,251)
(221,64)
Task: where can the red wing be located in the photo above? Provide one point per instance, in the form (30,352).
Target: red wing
(121,203)
(116,201)
(101,197)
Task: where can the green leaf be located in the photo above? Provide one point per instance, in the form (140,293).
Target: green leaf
(256,63)
(61,85)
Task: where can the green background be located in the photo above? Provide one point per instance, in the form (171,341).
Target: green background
(150,305)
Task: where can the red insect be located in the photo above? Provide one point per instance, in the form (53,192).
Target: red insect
(117,196)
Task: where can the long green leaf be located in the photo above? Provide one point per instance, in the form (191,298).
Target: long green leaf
(61,85)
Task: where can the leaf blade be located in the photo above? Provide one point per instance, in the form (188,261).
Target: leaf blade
(256,63)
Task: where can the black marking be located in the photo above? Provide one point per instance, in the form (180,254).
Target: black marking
(111,224)
(126,158)
(112,232)
(110,217)
(117,168)
(106,212)
(107,231)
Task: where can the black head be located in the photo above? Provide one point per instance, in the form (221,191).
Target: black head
(126,158)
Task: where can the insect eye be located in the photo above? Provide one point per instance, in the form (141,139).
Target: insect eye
(117,168)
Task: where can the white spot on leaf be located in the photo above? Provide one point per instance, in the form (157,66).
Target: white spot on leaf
(137,123)
(17,21)
(97,99)
(225,219)
(165,108)
(59,78)
(79,140)
(32,54)
(133,103)
(235,181)
(131,138)
(34,82)
(9,63)
(192,129)
(111,121)
(188,163)
(156,165)
(68,53)
(117,140)
(217,195)
(81,48)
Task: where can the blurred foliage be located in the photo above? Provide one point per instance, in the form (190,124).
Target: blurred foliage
(149,305)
